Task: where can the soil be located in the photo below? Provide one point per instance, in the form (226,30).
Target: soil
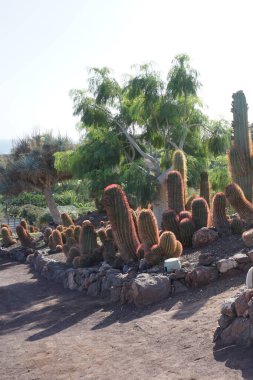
(47,332)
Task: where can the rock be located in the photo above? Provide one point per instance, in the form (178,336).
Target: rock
(148,289)
(93,290)
(205,259)
(241,303)
(241,258)
(238,332)
(115,294)
(250,309)
(249,278)
(203,237)
(224,321)
(143,265)
(228,308)
(201,276)
(250,255)
(71,283)
(225,265)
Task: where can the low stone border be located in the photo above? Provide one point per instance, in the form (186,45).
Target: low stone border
(236,320)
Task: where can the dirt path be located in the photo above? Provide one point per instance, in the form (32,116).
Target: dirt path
(47,332)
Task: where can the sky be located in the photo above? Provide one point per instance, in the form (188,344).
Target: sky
(46,47)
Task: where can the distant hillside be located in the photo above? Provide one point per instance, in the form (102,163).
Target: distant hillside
(5,146)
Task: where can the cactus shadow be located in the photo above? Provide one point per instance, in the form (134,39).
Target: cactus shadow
(237,358)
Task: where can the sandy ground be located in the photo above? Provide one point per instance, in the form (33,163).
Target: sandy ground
(47,332)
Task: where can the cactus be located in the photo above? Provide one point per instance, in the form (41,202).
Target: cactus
(24,224)
(71,242)
(236,226)
(179,250)
(247,238)
(240,204)
(109,249)
(122,224)
(168,244)
(77,231)
(180,164)
(24,237)
(87,238)
(205,187)
(7,226)
(57,238)
(7,240)
(154,256)
(51,243)
(69,233)
(184,214)
(240,154)
(219,218)
(187,230)
(188,205)
(66,220)
(48,231)
(60,228)
(170,222)
(148,228)
(175,188)
(200,213)
(73,252)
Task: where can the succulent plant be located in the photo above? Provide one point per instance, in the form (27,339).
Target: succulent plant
(188,205)
(170,222)
(121,220)
(168,244)
(77,231)
(240,204)
(7,240)
(205,187)
(57,238)
(66,220)
(187,230)
(179,163)
(200,213)
(219,217)
(148,228)
(185,214)
(87,238)
(24,224)
(25,239)
(175,187)
(236,226)
(48,231)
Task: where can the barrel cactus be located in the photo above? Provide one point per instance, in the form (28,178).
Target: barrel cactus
(200,213)
(25,239)
(187,230)
(170,222)
(121,220)
(240,204)
(148,228)
(205,187)
(175,187)
(66,220)
(219,217)
(7,239)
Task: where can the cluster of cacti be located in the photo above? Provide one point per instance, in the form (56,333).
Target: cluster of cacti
(25,238)
(108,244)
(122,223)
(7,239)
(240,155)
(220,219)
(204,190)
(66,220)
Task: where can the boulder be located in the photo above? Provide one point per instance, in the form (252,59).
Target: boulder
(241,303)
(205,259)
(249,278)
(201,276)
(228,308)
(224,321)
(241,258)
(147,289)
(238,332)
(224,265)
(204,236)
(250,255)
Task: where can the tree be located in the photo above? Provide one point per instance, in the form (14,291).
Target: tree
(30,167)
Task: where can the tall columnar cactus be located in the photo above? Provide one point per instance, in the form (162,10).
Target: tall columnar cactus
(240,204)
(187,230)
(122,224)
(148,228)
(175,188)
(48,231)
(179,163)
(170,222)
(219,217)
(57,238)
(66,220)
(240,154)
(205,187)
(200,213)
(87,238)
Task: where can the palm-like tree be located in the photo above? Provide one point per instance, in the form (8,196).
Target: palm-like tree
(30,167)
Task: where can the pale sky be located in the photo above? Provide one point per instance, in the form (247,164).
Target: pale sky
(46,47)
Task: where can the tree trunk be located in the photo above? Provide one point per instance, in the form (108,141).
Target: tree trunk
(160,204)
(52,205)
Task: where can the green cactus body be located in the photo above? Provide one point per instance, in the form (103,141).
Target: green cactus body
(57,237)
(187,230)
(51,243)
(148,228)
(168,244)
(170,222)
(179,250)
(154,256)
(121,220)
(205,187)
(24,224)
(175,188)
(60,227)
(102,234)
(69,232)
(240,204)
(236,226)
(88,238)
(185,214)
(7,240)
(66,220)
(73,252)
(7,226)
(240,154)
(219,217)
(179,163)
(188,205)
(48,231)
(200,213)
(25,239)
(77,231)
